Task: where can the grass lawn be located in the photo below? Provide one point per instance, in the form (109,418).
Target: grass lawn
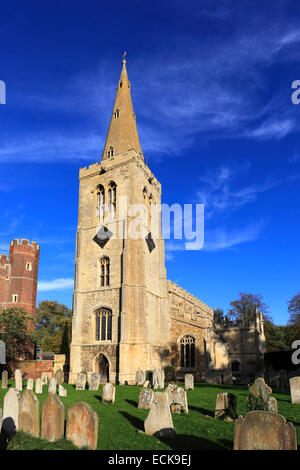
(118,423)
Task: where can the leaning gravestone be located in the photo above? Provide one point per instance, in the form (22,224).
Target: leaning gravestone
(94,381)
(159,420)
(18,380)
(109,393)
(29,418)
(38,386)
(59,375)
(10,422)
(264,430)
(170,374)
(52,419)
(82,426)
(158,379)
(140,377)
(52,386)
(145,398)
(225,406)
(4,379)
(81,381)
(177,396)
(189,382)
(62,392)
(295,389)
(29,384)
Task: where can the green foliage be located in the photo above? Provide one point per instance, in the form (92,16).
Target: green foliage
(218,314)
(294,310)
(15,332)
(53,327)
(244,308)
(256,403)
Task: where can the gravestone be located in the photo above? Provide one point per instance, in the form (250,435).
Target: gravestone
(149,376)
(81,381)
(4,379)
(94,381)
(29,418)
(18,380)
(158,379)
(259,394)
(44,378)
(140,377)
(82,426)
(52,386)
(177,396)
(108,393)
(59,375)
(264,430)
(159,420)
(2,352)
(10,422)
(225,406)
(145,398)
(29,384)
(295,389)
(146,384)
(272,405)
(38,386)
(62,391)
(52,419)
(170,374)
(189,382)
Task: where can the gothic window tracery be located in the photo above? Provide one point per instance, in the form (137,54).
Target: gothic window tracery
(105,271)
(103,324)
(187,352)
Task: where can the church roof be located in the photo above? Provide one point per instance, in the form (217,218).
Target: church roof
(122,133)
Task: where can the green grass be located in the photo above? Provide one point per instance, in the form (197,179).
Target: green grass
(118,423)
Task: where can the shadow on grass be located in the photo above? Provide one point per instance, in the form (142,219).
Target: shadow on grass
(3,441)
(136,422)
(132,402)
(202,410)
(183,442)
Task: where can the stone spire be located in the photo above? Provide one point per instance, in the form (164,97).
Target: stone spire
(122,133)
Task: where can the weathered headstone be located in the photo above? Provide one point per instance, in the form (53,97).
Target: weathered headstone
(82,425)
(2,352)
(145,398)
(260,389)
(177,396)
(140,377)
(4,379)
(272,405)
(264,430)
(108,393)
(29,384)
(295,389)
(10,422)
(159,420)
(94,381)
(81,381)
(52,419)
(18,380)
(38,386)
(29,418)
(170,374)
(62,391)
(59,375)
(225,406)
(189,382)
(146,384)
(158,379)
(44,378)
(52,386)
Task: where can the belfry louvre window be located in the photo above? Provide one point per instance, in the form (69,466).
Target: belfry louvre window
(112,199)
(187,352)
(117,114)
(110,152)
(104,266)
(100,202)
(103,324)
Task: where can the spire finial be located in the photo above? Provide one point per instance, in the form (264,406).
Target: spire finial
(124,57)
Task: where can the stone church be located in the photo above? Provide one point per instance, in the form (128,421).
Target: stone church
(126,314)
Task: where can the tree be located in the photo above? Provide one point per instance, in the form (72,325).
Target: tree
(53,326)
(294,310)
(218,314)
(245,307)
(15,327)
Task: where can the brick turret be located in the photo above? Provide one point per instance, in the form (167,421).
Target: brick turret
(18,276)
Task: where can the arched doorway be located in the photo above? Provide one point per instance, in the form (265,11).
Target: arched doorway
(103,368)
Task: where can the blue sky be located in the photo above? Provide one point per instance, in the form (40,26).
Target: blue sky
(211,86)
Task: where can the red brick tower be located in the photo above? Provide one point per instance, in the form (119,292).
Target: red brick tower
(18,276)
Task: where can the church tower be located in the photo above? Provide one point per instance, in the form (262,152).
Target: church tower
(120,310)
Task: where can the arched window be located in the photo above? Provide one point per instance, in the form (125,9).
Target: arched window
(110,152)
(187,352)
(117,114)
(100,202)
(112,199)
(104,267)
(103,324)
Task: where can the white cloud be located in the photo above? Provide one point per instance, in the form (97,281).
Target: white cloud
(56,284)
(221,239)
(273,129)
